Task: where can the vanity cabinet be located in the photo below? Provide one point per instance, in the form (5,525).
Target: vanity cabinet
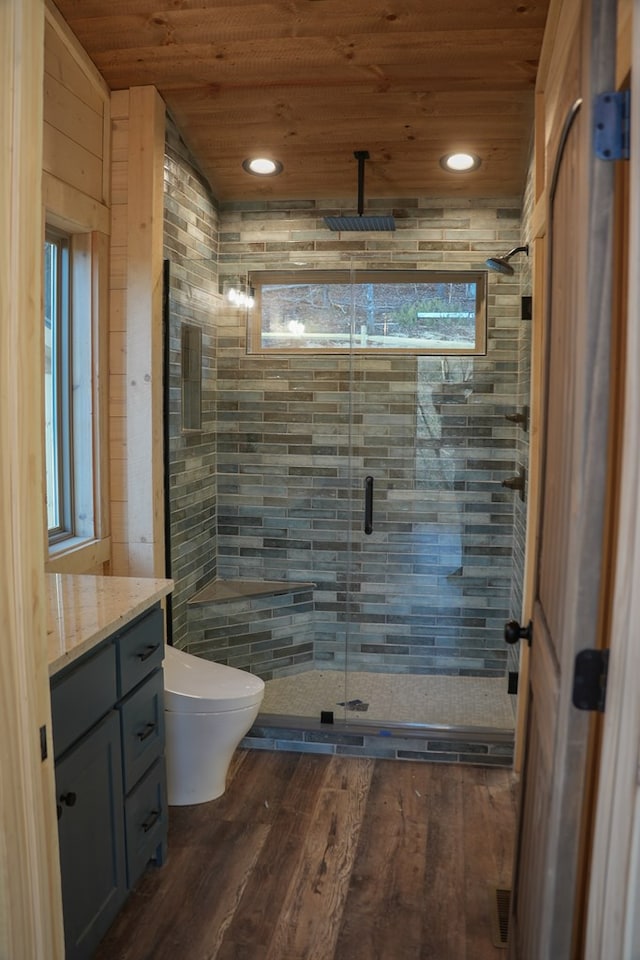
(108,737)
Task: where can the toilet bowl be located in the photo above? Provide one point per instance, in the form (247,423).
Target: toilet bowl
(208,708)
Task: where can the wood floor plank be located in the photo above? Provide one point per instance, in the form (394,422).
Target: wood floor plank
(309,919)
(383,913)
(310,857)
(488,797)
(258,793)
(183,909)
(443,920)
(254,926)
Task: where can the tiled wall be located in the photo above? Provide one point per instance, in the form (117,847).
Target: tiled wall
(268,635)
(487,749)
(430,590)
(191,234)
(272,486)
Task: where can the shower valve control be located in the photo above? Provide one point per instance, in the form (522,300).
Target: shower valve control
(514,632)
(520,416)
(517,483)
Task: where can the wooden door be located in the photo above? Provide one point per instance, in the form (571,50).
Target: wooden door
(568,559)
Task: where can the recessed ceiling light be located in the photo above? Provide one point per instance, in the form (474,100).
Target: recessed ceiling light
(460,162)
(262,166)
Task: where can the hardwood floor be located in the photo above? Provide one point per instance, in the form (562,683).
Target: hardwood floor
(311,857)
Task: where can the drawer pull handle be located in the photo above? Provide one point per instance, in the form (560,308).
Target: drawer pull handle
(147,652)
(146,733)
(68,798)
(153,817)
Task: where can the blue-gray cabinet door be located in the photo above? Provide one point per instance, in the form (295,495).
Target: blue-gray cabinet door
(91,833)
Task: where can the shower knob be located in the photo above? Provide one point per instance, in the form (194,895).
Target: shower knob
(514,632)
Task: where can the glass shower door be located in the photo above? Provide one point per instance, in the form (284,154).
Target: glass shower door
(429,576)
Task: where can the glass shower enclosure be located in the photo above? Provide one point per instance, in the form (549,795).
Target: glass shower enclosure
(364,542)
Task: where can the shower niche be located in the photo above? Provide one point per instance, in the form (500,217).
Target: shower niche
(191,377)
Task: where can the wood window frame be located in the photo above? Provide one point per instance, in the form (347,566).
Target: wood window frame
(259,279)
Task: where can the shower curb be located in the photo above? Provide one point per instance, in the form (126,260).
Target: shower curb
(430,744)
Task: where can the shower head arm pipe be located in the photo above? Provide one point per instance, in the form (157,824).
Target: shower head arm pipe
(512,253)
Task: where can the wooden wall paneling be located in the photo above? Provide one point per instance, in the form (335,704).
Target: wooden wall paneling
(118,332)
(67,62)
(613,927)
(106,152)
(76,113)
(30,902)
(540,144)
(88,78)
(76,161)
(70,162)
(145,479)
(69,114)
(71,210)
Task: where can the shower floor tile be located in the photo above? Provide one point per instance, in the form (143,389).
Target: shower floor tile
(392,698)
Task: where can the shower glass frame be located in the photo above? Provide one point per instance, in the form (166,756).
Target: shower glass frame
(353,642)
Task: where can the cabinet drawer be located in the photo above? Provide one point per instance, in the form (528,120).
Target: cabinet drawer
(142,728)
(82,696)
(140,650)
(146,821)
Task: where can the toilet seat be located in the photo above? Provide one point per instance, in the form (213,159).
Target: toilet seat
(195,685)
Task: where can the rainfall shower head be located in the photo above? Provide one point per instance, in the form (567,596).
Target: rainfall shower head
(360,222)
(502,265)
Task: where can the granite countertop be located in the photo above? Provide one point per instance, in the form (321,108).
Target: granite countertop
(84,610)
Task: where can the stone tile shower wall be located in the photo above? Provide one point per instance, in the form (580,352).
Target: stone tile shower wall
(430,590)
(190,244)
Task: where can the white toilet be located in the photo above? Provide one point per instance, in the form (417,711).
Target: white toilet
(208,708)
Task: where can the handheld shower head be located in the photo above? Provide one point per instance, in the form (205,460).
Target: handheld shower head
(502,265)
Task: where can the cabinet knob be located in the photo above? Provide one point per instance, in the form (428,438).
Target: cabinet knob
(68,798)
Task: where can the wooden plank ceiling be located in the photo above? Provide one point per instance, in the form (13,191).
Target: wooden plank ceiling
(307,82)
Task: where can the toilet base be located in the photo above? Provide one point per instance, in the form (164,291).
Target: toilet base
(199,748)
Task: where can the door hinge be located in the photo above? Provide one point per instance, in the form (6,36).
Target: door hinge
(590,680)
(611,125)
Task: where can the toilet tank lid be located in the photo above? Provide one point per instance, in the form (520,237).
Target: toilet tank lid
(195,685)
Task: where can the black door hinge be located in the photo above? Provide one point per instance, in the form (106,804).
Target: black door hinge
(590,680)
(611,125)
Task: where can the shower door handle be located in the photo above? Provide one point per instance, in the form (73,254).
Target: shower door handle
(368,505)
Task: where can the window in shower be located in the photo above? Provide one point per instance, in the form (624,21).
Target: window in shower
(410,312)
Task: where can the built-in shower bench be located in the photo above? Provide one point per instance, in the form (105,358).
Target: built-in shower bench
(265,626)
(221,591)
